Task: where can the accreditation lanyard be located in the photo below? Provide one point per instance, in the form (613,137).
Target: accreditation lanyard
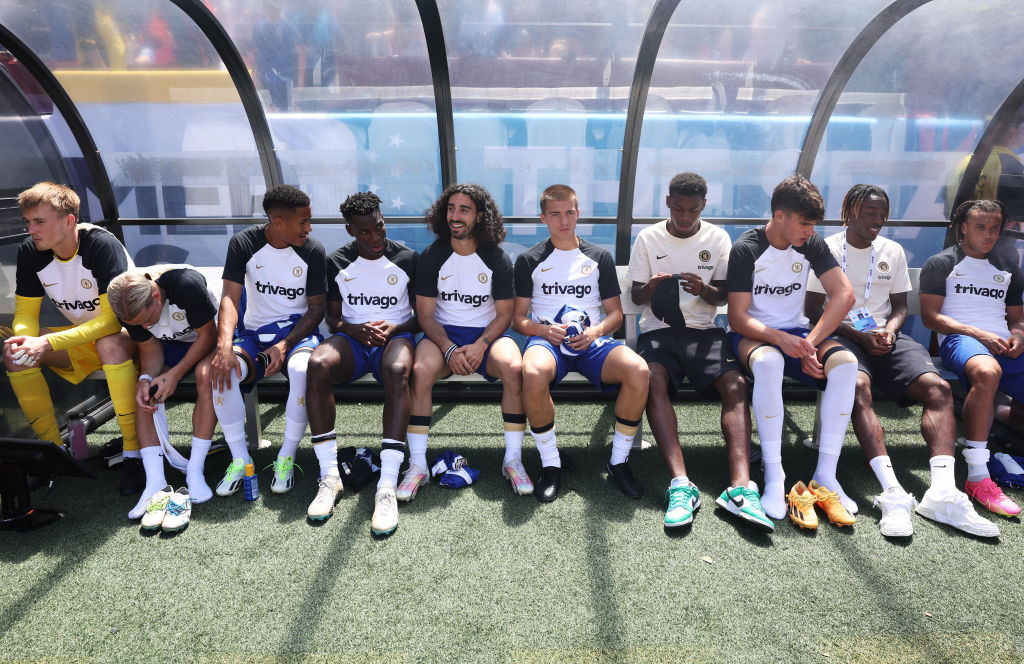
(871,269)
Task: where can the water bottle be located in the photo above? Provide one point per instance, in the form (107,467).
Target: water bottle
(252,487)
(76,436)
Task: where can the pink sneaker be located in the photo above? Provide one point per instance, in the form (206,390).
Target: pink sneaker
(412,480)
(516,474)
(991,497)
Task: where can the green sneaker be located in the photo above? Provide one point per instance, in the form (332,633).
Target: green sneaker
(683,501)
(232,481)
(745,502)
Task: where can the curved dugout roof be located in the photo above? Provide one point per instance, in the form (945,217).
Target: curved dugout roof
(196,106)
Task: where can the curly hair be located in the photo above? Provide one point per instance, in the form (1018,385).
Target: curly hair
(284,197)
(489,231)
(967,207)
(688,184)
(363,203)
(855,198)
(797,195)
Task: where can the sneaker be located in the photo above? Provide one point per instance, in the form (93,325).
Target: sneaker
(896,505)
(954,508)
(385,512)
(156,509)
(133,477)
(414,478)
(745,503)
(179,511)
(682,501)
(625,480)
(829,502)
(1006,470)
(284,474)
(801,506)
(516,474)
(327,492)
(548,483)
(991,497)
(232,480)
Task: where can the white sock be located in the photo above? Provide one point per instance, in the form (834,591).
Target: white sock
(417,449)
(622,443)
(767,368)
(882,466)
(682,480)
(390,462)
(547,445)
(153,463)
(836,406)
(295,417)
(942,467)
(230,410)
(194,477)
(976,455)
(132,454)
(513,445)
(773,498)
(325,447)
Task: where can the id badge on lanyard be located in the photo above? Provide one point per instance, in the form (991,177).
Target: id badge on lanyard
(861,318)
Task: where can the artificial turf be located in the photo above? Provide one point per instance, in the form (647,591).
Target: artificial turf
(481,575)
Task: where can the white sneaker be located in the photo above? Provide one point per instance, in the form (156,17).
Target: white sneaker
(896,505)
(953,508)
(327,492)
(156,509)
(385,512)
(284,475)
(515,472)
(413,478)
(179,511)
(232,480)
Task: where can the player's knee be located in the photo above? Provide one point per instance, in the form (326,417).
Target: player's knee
(638,374)
(863,393)
(114,348)
(657,378)
(937,395)
(395,373)
(836,357)
(733,388)
(985,375)
(766,359)
(318,368)
(535,376)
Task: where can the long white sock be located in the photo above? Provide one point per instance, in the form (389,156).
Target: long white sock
(390,462)
(416,438)
(836,406)
(622,442)
(547,445)
(153,463)
(767,366)
(325,447)
(976,455)
(295,416)
(882,466)
(194,477)
(942,467)
(230,410)
(515,431)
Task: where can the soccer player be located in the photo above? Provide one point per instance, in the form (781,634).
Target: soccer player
(971,296)
(567,270)
(170,315)
(768,269)
(464,305)
(72,264)
(678,268)
(369,310)
(890,361)
(282,270)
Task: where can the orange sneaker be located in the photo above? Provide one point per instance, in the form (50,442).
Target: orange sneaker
(801,506)
(829,502)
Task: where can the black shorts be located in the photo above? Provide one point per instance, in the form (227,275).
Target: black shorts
(893,372)
(698,355)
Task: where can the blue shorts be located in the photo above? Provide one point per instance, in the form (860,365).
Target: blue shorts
(256,341)
(956,349)
(589,362)
(463,336)
(174,352)
(366,359)
(792,367)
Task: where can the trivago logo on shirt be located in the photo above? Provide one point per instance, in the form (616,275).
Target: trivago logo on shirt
(575,290)
(765,289)
(971,289)
(77,305)
(379,301)
(465,298)
(272,289)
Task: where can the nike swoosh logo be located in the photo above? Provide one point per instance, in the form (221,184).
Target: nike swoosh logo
(448,277)
(961,274)
(738,502)
(760,269)
(660,257)
(545,269)
(53,284)
(348,279)
(768,417)
(259,267)
(843,414)
(942,466)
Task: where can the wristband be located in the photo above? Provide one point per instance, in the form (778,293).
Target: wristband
(487,342)
(448,353)
(145,377)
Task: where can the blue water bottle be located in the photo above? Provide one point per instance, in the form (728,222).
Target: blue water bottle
(252,487)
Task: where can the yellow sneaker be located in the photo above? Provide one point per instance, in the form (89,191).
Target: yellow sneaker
(801,506)
(829,502)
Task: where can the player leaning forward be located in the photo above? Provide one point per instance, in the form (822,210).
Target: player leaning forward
(566,278)
(282,270)
(171,316)
(369,310)
(72,264)
(767,278)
